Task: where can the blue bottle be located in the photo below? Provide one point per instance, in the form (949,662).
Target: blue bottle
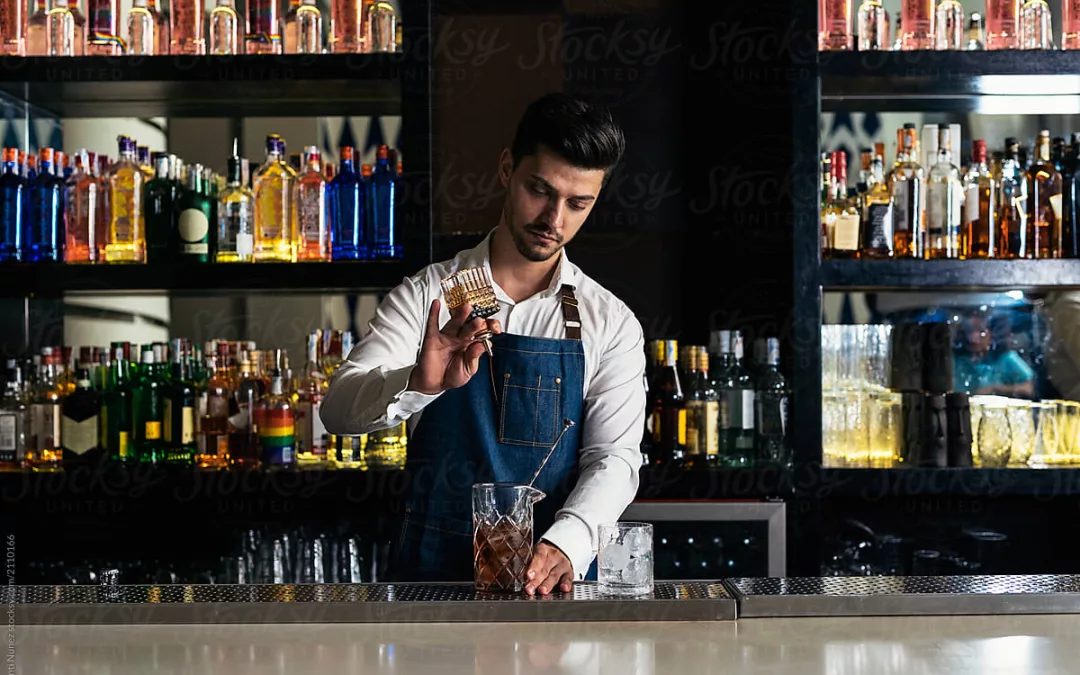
(43,240)
(346,199)
(383,235)
(12,207)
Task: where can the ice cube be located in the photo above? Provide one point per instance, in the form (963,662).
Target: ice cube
(615,556)
(637,541)
(636,572)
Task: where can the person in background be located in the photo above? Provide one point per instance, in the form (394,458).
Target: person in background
(984,364)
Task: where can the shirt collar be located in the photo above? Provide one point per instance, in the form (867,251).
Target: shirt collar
(566,273)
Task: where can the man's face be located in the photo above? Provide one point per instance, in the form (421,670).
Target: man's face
(547,201)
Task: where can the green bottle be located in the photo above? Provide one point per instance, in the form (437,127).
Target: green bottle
(193,219)
(148,407)
(180,427)
(159,211)
(114,425)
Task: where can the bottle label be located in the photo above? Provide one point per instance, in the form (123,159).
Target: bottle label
(727,402)
(153,431)
(44,426)
(879,227)
(748,409)
(936,208)
(971,204)
(702,428)
(8,435)
(312,433)
(277,436)
(772,415)
(79,437)
(901,198)
(123,450)
(187,425)
(1055,205)
(168,422)
(245,244)
(846,232)
(194,229)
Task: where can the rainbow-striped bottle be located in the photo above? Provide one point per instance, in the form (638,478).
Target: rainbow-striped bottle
(276,422)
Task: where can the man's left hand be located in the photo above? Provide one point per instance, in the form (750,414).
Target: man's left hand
(549,568)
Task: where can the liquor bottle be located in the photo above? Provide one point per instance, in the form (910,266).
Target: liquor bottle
(289,28)
(906,183)
(14,419)
(949,29)
(878,236)
(13,26)
(348,26)
(79,422)
(215,427)
(347,196)
(979,237)
(12,207)
(225,29)
(43,240)
(142,30)
(103,32)
(668,410)
(975,37)
(262,34)
(244,443)
(62,36)
(1070,24)
(841,215)
(193,219)
(37,25)
(873,33)
(161,28)
(771,400)
(1044,202)
(148,408)
(1013,205)
(382,28)
(702,413)
(918,19)
(44,446)
(186,26)
(125,239)
(236,217)
(160,213)
(276,423)
(383,238)
(944,200)
(117,439)
(1002,24)
(308,28)
(310,432)
(179,425)
(1070,206)
(1036,27)
(313,242)
(275,214)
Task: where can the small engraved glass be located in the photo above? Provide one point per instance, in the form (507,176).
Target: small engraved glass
(625,562)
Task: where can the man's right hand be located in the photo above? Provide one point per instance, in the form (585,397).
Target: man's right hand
(449,357)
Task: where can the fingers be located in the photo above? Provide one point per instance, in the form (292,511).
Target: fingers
(458,316)
(537,572)
(433,318)
(547,570)
(468,330)
(495,326)
(472,356)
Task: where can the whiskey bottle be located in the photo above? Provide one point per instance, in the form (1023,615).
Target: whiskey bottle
(14,416)
(668,410)
(979,235)
(215,426)
(275,213)
(125,239)
(906,184)
(1044,201)
(244,442)
(703,415)
(44,447)
(878,236)
(944,200)
(79,423)
(1013,204)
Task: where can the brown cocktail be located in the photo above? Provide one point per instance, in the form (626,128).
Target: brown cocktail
(502,535)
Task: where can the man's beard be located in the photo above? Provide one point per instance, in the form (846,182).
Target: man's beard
(530,251)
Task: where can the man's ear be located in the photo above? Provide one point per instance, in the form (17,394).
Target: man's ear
(506,167)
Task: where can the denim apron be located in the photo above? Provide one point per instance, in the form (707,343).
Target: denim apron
(484,432)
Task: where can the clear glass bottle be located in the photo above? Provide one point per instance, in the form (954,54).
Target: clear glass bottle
(262,34)
(142,30)
(907,181)
(1044,204)
(44,448)
(949,25)
(60,35)
(236,216)
(275,213)
(841,215)
(161,28)
(739,403)
(918,19)
(1013,204)
(382,26)
(1036,25)
(103,31)
(313,241)
(348,26)
(125,238)
(1070,24)
(944,199)
(186,27)
(1002,27)
(224,29)
(312,438)
(872,28)
(308,28)
(37,30)
(771,413)
(979,237)
(82,208)
(276,423)
(14,419)
(347,201)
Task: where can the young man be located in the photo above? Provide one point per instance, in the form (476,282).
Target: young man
(563,348)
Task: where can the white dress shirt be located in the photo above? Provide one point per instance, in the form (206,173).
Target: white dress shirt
(368,390)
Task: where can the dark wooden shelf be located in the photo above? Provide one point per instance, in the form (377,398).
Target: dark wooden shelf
(49,280)
(933,81)
(991,275)
(210,86)
(875,485)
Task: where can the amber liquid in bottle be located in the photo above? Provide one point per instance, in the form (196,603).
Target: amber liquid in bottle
(1044,205)
(186,27)
(918,18)
(1001,24)
(980,231)
(347,26)
(834,25)
(906,184)
(1070,24)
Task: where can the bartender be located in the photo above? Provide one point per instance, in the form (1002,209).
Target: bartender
(563,347)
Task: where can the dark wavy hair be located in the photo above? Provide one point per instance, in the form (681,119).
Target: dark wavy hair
(583,134)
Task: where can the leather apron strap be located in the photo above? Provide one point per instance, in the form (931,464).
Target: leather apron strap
(571,315)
